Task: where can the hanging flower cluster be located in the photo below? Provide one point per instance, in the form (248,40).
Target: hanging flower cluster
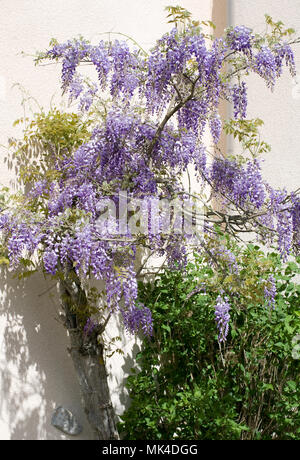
(222,318)
(270,292)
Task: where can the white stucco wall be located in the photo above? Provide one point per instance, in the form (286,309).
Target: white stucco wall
(36,374)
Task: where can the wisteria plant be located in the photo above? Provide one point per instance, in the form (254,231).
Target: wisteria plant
(87,207)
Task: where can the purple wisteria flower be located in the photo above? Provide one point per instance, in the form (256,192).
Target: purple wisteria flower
(283,52)
(89,327)
(100,57)
(138,319)
(270,292)
(240,39)
(76,87)
(239,184)
(4,221)
(222,317)
(50,261)
(215,124)
(282,220)
(265,65)
(22,239)
(240,101)
(295,216)
(226,256)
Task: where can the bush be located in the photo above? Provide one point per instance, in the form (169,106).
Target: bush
(191,385)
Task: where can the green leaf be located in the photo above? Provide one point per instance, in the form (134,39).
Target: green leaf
(4,261)
(166,327)
(292,385)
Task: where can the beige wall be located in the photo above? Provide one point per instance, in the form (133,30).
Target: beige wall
(36,374)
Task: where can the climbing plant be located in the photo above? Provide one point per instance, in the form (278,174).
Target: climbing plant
(104,187)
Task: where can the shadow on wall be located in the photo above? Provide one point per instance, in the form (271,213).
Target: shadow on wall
(119,366)
(36,373)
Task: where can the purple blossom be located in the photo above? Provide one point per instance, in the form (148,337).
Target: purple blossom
(197,47)
(40,188)
(295,216)
(50,261)
(238,184)
(4,221)
(116,65)
(193,116)
(89,327)
(215,124)
(240,102)
(240,39)
(87,98)
(285,233)
(200,161)
(76,87)
(22,238)
(265,65)
(166,61)
(138,319)
(227,257)
(99,56)
(72,53)
(176,255)
(124,79)
(283,221)
(270,292)
(284,52)
(222,317)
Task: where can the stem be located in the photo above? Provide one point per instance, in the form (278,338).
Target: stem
(88,359)
(170,115)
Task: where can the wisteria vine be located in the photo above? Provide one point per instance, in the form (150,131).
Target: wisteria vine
(157,107)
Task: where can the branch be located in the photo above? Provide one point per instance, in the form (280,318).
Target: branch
(169,115)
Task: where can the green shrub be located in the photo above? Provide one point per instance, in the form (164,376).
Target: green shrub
(189,385)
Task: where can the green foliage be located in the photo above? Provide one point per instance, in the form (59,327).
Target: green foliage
(61,130)
(3,196)
(247,133)
(191,387)
(4,199)
(277,30)
(47,137)
(180,16)
(3,260)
